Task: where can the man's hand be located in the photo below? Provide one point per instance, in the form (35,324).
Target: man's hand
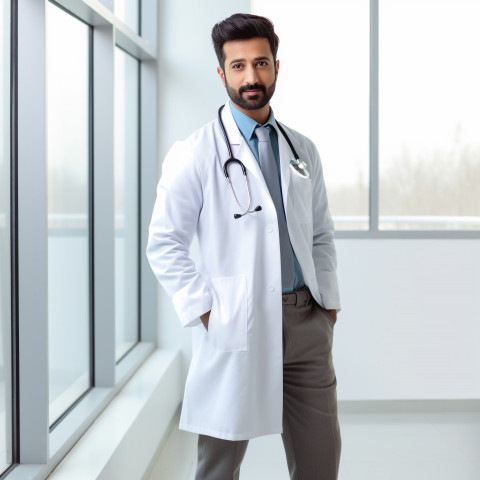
(333,315)
(204,318)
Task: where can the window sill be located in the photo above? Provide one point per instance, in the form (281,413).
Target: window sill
(124,426)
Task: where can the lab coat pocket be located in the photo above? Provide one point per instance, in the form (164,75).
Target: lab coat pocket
(228,319)
(302,198)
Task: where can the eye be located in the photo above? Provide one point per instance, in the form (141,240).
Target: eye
(237,66)
(262,64)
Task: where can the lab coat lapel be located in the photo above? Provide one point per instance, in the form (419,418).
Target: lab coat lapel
(240,148)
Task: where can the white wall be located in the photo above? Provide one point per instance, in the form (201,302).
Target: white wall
(410,323)
(190,90)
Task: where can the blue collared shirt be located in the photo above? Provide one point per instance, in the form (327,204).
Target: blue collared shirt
(247,126)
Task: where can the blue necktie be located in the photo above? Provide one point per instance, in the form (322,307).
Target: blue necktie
(270,174)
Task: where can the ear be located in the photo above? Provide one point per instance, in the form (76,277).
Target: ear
(221,74)
(277,66)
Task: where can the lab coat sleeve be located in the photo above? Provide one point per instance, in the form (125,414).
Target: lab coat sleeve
(174,221)
(324,253)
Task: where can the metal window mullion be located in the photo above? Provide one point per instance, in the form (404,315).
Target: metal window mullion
(91,211)
(32,234)
(15,406)
(139,201)
(148,17)
(148,179)
(374,117)
(140,19)
(103,195)
(148,170)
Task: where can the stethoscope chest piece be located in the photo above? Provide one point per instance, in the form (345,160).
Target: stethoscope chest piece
(299,167)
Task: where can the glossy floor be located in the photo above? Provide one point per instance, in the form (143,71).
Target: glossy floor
(393,446)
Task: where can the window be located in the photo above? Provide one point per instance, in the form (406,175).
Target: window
(128,12)
(57,269)
(388,91)
(5,316)
(322,91)
(68,153)
(429,148)
(126,182)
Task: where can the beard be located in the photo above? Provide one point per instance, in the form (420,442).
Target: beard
(253,102)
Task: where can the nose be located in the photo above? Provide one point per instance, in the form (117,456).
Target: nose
(251,76)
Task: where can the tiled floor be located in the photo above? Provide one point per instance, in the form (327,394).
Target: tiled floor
(393,446)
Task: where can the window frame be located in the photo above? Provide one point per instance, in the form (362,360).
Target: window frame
(374,231)
(90,240)
(39,447)
(8,276)
(138,186)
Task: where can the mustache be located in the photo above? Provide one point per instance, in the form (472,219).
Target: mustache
(255,86)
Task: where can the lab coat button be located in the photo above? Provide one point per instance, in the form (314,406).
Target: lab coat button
(269,229)
(271,289)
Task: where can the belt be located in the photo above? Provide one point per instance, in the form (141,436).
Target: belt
(299,298)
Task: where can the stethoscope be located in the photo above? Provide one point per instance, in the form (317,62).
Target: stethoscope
(297,165)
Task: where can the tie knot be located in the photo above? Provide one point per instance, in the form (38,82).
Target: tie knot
(263,134)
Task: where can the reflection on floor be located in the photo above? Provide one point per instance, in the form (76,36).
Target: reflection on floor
(393,446)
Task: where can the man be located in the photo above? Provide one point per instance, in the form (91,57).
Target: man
(262,305)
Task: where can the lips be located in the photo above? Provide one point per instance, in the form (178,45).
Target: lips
(251,90)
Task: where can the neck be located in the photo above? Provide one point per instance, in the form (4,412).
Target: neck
(260,116)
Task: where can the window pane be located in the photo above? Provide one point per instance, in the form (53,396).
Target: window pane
(68,205)
(429,114)
(126,201)
(5,319)
(127,11)
(323,91)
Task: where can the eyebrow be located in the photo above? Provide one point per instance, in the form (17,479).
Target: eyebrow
(236,60)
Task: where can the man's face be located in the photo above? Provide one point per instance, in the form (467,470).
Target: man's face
(250,73)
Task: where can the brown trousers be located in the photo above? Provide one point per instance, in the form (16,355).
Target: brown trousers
(311,433)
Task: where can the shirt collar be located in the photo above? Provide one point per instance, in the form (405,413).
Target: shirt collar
(246,124)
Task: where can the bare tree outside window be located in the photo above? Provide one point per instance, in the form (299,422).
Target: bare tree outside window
(429,115)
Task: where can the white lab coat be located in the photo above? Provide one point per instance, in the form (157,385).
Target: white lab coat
(234,387)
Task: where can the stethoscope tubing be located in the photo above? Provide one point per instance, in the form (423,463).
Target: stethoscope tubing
(227,141)
(232,159)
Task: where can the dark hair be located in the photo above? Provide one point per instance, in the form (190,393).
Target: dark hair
(242,26)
